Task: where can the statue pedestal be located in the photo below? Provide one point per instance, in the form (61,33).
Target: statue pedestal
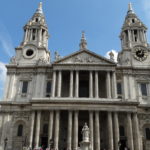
(85,145)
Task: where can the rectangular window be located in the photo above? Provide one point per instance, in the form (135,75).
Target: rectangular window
(25,87)
(143,89)
(119,88)
(48,89)
(147,130)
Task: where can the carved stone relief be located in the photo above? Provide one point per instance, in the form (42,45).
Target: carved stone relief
(21,115)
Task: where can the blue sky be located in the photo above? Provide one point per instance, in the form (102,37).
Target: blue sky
(100,19)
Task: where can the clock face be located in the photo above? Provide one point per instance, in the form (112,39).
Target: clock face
(140,53)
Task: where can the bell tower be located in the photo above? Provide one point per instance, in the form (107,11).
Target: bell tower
(133,40)
(36,31)
(34,47)
(133,30)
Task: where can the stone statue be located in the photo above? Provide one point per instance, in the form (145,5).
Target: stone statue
(13,60)
(111,54)
(85,144)
(57,56)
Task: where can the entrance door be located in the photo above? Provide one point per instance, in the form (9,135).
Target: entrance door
(123,143)
(44,142)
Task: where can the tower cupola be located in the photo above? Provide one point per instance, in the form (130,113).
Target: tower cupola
(36,31)
(133,31)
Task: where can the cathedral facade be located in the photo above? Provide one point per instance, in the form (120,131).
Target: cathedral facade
(47,103)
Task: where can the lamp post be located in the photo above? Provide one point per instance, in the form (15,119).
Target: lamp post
(119,144)
(5,143)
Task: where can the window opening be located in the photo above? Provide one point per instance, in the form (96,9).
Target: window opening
(147,131)
(121,130)
(20,130)
(25,87)
(48,89)
(143,89)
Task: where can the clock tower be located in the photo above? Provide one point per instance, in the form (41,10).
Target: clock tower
(135,49)
(33,50)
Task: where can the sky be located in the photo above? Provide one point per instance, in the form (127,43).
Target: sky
(100,19)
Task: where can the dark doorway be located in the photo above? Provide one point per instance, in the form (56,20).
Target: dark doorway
(80,133)
(44,142)
(122,144)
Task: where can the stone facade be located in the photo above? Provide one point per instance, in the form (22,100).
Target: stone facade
(47,101)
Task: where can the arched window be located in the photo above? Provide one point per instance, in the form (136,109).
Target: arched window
(20,130)
(121,130)
(147,133)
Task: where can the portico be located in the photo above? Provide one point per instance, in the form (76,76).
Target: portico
(104,127)
(96,84)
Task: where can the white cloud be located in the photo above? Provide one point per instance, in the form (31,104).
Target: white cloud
(3,71)
(6,41)
(146,6)
(115,54)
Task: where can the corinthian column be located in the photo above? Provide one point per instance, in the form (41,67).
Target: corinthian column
(71,84)
(54,84)
(37,133)
(116,130)
(69,140)
(50,128)
(97,131)
(90,84)
(129,132)
(91,129)
(110,132)
(56,134)
(75,141)
(31,129)
(96,85)
(59,84)
(108,85)
(114,85)
(77,84)
(136,132)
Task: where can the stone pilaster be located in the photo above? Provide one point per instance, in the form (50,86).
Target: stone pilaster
(97,131)
(54,84)
(37,133)
(69,137)
(116,130)
(31,129)
(50,128)
(108,85)
(91,129)
(110,132)
(75,141)
(59,84)
(129,132)
(96,85)
(71,84)
(56,134)
(90,84)
(77,84)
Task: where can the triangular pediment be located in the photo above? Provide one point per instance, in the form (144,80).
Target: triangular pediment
(84,57)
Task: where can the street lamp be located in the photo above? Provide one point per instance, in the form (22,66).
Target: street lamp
(5,143)
(119,144)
